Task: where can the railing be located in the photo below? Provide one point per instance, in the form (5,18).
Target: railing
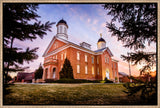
(51,61)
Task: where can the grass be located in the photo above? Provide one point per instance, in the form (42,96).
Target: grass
(64,94)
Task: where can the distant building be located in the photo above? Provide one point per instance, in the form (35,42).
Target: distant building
(123,77)
(25,77)
(86,64)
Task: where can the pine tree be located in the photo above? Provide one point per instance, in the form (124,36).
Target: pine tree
(20,22)
(67,71)
(138,26)
(39,72)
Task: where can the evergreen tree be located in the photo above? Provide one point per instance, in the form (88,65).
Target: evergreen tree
(67,71)
(20,21)
(138,25)
(39,72)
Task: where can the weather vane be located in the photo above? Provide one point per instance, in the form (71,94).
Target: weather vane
(100,34)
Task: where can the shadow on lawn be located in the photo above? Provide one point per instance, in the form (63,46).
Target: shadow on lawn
(6,89)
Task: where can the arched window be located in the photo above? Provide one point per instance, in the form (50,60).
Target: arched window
(60,29)
(54,72)
(65,30)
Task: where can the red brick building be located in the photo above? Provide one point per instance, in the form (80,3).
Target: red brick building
(86,64)
(25,77)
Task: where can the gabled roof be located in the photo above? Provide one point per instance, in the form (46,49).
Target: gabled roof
(103,49)
(122,73)
(100,50)
(51,43)
(71,44)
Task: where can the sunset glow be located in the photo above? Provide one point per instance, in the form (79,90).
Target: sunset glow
(86,22)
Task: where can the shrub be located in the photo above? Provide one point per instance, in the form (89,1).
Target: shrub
(102,81)
(39,72)
(67,71)
(49,80)
(108,81)
(65,80)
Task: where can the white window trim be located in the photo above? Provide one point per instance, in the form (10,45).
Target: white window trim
(92,70)
(86,57)
(107,59)
(93,59)
(97,70)
(86,69)
(65,55)
(78,68)
(62,56)
(97,60)
(78,56)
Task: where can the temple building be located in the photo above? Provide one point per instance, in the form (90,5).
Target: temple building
(86,64)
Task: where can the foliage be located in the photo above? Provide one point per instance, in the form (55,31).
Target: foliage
(20,22)
(66,80)
(138,25)
(9,78)
(116,78)
(39,72)
(66,71)
(108,81)
(147,89)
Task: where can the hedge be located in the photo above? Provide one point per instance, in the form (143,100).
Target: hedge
(71,81)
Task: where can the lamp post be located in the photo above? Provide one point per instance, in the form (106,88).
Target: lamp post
(129,68)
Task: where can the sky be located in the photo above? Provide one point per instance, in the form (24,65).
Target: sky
(86,22)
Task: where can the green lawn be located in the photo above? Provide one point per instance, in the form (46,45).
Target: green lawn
(88,94)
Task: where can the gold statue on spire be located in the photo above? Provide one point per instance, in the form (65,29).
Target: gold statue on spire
(100,34)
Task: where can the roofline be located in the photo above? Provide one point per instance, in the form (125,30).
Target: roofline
(73,45)
(115,60)
(52,41)
(62,24)
(109,51)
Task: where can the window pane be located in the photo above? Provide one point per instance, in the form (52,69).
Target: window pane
(85,58)
(64,55)
(78,56)
(97,60)
(98,70)
(78,69)
(92,59)
(86,70)
(61,56)
(92,69)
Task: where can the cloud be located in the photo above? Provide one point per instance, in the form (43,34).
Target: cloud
(88,20)
(95,22)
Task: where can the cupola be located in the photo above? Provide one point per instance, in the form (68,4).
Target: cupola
(101,43)
(62,29)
